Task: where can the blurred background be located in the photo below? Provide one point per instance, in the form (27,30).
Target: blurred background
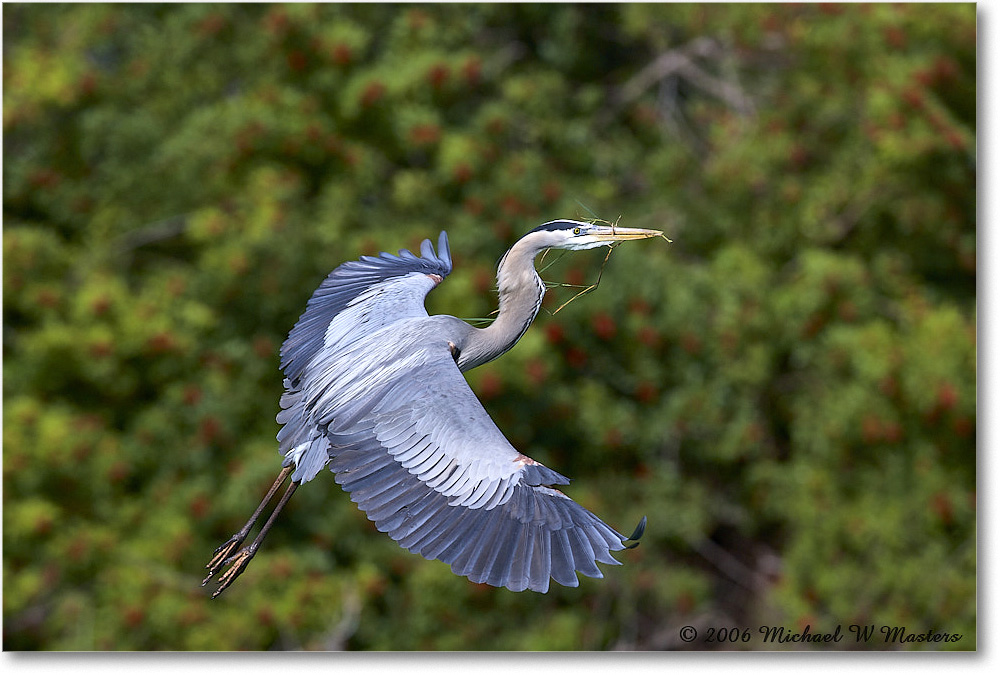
(788,390)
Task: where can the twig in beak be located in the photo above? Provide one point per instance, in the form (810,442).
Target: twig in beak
(594,285)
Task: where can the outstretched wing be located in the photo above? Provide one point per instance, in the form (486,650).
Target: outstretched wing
(382,400)
(362,295)
(354,302)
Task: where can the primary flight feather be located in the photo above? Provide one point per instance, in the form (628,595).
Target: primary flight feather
(374,391)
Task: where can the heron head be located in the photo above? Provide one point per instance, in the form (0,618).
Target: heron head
(573,235)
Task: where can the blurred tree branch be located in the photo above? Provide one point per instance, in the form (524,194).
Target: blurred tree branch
(680,62)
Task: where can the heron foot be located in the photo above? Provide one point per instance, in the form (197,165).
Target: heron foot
(224,554)
(238,563)
(221,555)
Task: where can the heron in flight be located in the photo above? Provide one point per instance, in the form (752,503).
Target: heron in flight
(374,390)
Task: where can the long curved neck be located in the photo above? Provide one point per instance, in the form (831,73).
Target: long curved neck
(521,291)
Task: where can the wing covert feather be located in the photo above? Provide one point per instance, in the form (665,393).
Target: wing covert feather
(374,393)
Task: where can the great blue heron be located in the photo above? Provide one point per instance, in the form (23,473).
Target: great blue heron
(374,389)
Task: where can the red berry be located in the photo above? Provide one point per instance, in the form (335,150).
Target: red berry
(438,76)
(649,336)
(814,325)
(574,277)
(133,616)
(576,357)
(496,126)
(341,54)
(372,93)
(945,68)
(474,205)
(199,506)
(893,432)
(871,429)
(100,305)
(263,346)
(848,311)
(551,191)
(913,97)
(265,616)
(646,392)
(690,343)
(209,430)
(638,306)
(511,205)
(888,386)
(118,472)
(211,24)
(161,343)
(799,156)
(895,37)
(554,333)
(44,178)
(942,507)
(536,371)
(963,426)
(276,21)
(925,77)
(462,173)
(483,280)
(192,395)
(604,326)
(490,386)
(425,134)
(297,60)
(471,70)
(947,396)
(101,349)
(613,438)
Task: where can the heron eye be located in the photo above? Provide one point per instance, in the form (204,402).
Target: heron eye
(576,230)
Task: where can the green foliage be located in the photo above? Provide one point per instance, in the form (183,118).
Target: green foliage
(788,391)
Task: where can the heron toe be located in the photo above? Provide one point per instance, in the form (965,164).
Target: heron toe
(221,555)
(239,563)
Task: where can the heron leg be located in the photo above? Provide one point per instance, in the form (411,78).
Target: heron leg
(245,555)
(221,554)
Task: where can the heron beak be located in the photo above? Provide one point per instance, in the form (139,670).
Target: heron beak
(610,234)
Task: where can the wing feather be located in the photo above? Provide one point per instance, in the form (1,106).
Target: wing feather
(468,562)
(374,484)
(541,562)
(411,518)
(498,572)
(434,467)
(455,540)
(583,553)
(372,391)
(563,569)
(346,283)
(397,500)
(430,537)
(426,460)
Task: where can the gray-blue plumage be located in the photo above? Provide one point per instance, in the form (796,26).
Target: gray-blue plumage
(374,391)
(343,285)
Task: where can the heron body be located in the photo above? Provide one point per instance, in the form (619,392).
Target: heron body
(374,391)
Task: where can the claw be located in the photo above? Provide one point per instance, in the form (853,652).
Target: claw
(236,556)
(239,562)
(229,544)
(224,555)
(221,556)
